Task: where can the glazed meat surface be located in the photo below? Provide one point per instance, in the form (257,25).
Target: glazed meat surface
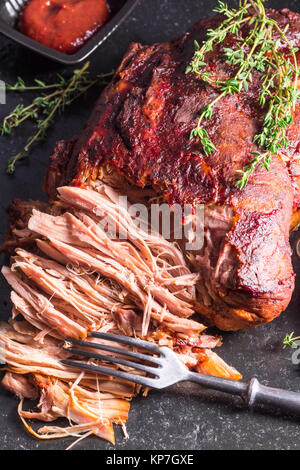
(140,129)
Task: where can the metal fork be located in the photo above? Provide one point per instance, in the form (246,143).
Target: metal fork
(15,6)
(165,369)
(10,10)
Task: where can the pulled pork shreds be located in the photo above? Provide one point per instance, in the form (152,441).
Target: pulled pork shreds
(77,279)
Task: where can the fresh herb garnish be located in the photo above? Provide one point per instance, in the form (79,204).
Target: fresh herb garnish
(44,108)
(258,51)
(289,340)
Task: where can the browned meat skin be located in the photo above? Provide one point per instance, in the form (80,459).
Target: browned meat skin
(141,125)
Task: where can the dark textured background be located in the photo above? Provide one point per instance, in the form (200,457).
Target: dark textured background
(184,417)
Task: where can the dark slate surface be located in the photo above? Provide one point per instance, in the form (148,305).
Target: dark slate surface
(184,417)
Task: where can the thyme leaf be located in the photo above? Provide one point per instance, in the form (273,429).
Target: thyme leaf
(289,340)
(258,51)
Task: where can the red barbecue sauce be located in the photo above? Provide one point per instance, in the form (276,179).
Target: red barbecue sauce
(64,25)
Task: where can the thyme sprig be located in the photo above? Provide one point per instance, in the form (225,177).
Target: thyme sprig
(258,51)
(21,86)
(45,107)
(289,340)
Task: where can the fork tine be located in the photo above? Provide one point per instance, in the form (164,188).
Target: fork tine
(138,343)
(114,360)
(10,8)
(15,5)
(147,382)
(112,349)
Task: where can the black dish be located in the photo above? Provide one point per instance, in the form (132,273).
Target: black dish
(8,19)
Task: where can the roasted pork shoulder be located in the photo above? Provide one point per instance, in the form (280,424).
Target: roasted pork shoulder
(140,129)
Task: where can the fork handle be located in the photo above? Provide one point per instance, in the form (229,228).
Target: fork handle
(278,398)
(252,392)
